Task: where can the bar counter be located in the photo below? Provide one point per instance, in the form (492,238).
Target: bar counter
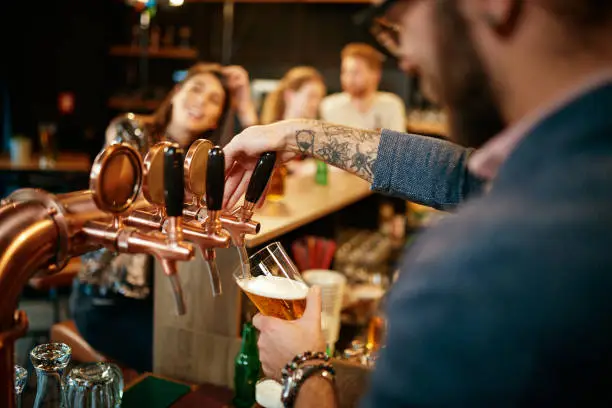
(154,391)
(305,201)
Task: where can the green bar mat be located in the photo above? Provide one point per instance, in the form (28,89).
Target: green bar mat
(153,392)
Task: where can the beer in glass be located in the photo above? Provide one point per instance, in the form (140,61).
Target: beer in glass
(274,285)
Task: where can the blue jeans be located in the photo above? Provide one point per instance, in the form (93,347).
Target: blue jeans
(118,327)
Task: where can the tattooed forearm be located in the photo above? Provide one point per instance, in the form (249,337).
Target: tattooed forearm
(363,162)
(304,138)
(351,149)
(333,151)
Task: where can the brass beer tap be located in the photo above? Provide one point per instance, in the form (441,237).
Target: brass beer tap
(168,248)
(196,183)
(239,222)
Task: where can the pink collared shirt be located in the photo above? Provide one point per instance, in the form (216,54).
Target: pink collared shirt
(486,161)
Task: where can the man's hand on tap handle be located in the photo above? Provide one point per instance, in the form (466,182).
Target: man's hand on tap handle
(243,152)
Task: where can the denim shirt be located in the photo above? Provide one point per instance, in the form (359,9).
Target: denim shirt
(424,170)
(507,302)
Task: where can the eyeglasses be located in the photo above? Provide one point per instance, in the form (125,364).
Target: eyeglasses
(387,34)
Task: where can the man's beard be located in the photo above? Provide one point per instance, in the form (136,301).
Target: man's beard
(464,86)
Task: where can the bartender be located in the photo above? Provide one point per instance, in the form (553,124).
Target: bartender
(507,301)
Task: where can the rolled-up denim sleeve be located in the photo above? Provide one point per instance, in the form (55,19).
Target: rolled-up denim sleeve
(424,170)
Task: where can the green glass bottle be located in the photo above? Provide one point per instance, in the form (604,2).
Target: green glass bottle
(321,174)
(247,369)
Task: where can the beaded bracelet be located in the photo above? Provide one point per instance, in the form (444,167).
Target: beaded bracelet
(293,382)
(301,359)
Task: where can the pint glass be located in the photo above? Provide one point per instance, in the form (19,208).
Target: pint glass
(274,285)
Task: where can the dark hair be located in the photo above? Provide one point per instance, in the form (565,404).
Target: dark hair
(163,115)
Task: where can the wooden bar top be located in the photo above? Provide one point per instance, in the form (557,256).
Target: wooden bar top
(305,201)
(68,162)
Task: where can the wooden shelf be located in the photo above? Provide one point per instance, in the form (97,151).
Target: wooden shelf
(134,103)
(165,52)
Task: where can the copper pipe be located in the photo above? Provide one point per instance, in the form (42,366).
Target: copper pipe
(192,231)
(230,222)
(197,235)
(28,242)
(145,220)
(7,351)
(131,241)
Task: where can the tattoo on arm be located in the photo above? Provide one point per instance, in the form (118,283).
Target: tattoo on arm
(304,139)
(351,149)
(362,162)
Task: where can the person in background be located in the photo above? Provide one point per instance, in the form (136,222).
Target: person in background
(361,104)
(112,300)
(298,95)
(506,303)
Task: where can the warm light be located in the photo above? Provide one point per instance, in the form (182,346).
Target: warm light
(176,3)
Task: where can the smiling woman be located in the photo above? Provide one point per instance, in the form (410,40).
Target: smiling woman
(198,107)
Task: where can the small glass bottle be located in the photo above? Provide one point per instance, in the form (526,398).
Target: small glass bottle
(50,360)
(321,174)
(247,369)
(21,377)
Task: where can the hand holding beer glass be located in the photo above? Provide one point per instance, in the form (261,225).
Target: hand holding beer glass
(274,284)
(281,296)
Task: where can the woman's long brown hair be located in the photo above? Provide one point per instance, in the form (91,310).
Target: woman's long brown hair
(274,106)
(163,115)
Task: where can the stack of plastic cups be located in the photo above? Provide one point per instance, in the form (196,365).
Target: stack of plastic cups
(332,286)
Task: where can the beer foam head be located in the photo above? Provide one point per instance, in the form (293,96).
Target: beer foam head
(275,287)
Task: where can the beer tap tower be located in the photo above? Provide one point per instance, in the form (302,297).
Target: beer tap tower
(131,207)
(209,340)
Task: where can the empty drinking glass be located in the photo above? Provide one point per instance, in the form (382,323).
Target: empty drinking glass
(50,360)
(94,385)
(21,377)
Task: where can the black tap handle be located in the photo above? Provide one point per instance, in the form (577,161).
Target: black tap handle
(215,179)
(174,188)
(260,177)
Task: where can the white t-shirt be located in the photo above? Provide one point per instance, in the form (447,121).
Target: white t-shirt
(387,112)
